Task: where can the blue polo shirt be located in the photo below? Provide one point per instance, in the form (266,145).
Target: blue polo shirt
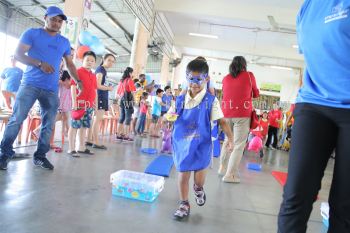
(324,38)
(167,100)
(46,48)
(12,77)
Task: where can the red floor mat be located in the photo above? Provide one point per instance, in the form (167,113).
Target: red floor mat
(281,177)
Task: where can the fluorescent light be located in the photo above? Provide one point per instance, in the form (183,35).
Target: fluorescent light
(124,55)
(281,67)
(203,35)
(295,46)
(112,22)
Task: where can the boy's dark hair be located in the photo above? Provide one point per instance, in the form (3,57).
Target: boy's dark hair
(65,75)
(201,58)
(159,91)
(90,53)
(166,88)
(238,65)
(137,85)
(198,65)
(142,75)
(144,94)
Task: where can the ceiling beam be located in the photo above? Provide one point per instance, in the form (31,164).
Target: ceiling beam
(109,35)
(114,19)
(10,7)
(285,13)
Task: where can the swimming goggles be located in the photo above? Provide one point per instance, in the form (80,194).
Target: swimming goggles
(197,78)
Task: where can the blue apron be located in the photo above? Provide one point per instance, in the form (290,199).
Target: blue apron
(192,145)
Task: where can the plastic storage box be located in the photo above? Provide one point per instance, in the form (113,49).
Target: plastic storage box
(136,185)
(325,213)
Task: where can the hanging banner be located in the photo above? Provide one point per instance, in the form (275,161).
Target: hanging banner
(88,4)
(70,29)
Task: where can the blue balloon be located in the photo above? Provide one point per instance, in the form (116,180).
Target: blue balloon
(148,79)
(99,48)
(95,40)
(86,38)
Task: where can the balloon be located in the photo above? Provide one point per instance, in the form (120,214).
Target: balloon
(86,38)
(99,48)
(81,50)
(148,79)
(94,40)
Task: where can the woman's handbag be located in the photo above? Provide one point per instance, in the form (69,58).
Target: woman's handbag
(254,120)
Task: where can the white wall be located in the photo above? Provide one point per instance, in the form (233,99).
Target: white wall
(219,68)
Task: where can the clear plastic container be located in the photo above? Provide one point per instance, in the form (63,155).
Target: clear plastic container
(136,185)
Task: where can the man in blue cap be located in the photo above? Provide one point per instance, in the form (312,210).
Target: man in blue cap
(42,50)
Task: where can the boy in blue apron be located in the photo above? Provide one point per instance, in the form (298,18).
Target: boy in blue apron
(192,143)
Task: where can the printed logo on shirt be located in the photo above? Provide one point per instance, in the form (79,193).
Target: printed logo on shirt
(338,13)
(51,46)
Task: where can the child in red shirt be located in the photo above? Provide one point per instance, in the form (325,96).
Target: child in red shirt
(261,131)
(83,105)
(143,113)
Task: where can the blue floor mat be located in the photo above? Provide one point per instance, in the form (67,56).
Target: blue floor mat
(254,166)
(160,166)
(150,151)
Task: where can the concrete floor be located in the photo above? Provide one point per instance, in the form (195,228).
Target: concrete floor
(76,197)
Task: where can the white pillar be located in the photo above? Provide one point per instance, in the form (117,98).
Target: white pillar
(164,71)
(139,51)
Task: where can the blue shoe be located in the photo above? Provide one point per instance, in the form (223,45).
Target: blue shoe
(43,163)
(3,163)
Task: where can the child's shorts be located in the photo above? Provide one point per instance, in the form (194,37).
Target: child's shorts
(136,113)
(155,118)
(85,121)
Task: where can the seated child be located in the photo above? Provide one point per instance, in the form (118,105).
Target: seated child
(85,103)
(192,143)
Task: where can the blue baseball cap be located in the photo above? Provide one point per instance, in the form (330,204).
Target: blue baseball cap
(53,11)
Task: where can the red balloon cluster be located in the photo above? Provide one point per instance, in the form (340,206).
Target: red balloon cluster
(81,50)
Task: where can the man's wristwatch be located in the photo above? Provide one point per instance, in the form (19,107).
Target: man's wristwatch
(39,64)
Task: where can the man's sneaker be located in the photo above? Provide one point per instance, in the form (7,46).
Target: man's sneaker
(43,163)
(3,163)
(183,211)
(199,195)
